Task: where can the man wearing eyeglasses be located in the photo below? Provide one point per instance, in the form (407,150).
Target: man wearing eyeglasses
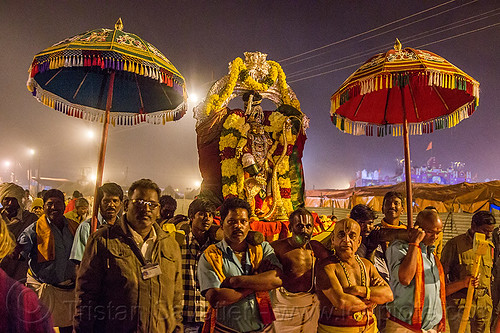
(130,277)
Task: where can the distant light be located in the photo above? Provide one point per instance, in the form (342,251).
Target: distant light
(193,98)
(90,134)
(31,151)
(197,184)
(7,164)
(93,177)
(176,189)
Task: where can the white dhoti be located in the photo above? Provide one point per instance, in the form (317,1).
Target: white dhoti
(60,302)
(295,312)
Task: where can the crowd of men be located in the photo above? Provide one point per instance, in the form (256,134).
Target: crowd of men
(147,270)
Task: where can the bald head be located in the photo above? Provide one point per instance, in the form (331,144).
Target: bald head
(345,237)
(429,221)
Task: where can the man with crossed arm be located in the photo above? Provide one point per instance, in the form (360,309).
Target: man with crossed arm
(348,287)
(236,277)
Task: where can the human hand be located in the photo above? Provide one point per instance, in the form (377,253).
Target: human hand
(355,291)
(371,305)
(265,266)
(473,280)
(226,283)
(415,235)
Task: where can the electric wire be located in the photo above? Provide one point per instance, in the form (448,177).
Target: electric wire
(367,32)
(385,32)
(419,46)
(425,34)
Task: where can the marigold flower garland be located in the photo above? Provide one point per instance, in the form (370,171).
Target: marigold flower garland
(239,71)
(233,140)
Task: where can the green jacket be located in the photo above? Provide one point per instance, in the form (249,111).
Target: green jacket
(458,259)
(112,296)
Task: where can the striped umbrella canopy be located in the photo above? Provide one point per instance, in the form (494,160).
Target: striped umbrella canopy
(108,76)
(432,92)
(73,77)
(401,92)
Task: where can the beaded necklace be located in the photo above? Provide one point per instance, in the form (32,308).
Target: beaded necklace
(362,268)
(358,316)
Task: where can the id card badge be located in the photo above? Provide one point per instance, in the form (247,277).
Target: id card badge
(150,270)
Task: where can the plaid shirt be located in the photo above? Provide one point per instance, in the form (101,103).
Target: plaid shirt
(195,305)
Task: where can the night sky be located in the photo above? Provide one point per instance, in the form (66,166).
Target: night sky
(202,37)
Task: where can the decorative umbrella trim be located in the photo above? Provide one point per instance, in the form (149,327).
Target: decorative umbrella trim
(388,80)
(105,60)
(110,40)
(95,115)
(363,128)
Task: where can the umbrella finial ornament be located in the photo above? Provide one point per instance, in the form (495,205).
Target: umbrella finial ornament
(119,24)
(397,45)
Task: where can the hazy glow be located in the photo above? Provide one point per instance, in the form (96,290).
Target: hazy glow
(197,184)
(193,98)
(31,151)
(6,164)
(90,134)
(93,177)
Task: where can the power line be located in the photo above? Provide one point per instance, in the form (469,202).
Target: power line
(367,32)
(391,30)
(420,46)
(460,35)
(421,35)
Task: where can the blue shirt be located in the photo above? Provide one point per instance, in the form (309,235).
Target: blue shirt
(403,305)
(81,236)
(243,315)
(52,272)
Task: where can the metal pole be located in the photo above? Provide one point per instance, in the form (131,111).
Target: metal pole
(102,151)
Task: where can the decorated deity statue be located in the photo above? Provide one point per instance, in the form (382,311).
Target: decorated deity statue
(251,153)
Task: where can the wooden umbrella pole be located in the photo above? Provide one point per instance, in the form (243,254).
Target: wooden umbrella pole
(102,151)
(409,199)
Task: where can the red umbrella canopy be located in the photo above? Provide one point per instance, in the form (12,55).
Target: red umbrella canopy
(432,92)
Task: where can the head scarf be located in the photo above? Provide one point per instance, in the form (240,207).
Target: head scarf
(13,191)
(7,243)
(38,202)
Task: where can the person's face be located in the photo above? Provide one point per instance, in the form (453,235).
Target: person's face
(302,227)
(202,221)
(486,229)
(236,226)
(346,238)
(37,210)
(432,230)
(110,206)
(167,211)
(392,208)
(54,208)
(11,205)
(82,210)
(142,209)
(366,227)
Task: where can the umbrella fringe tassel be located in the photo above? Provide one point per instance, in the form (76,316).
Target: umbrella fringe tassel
(363,128)
(127,64)
(116,118)
(387,81)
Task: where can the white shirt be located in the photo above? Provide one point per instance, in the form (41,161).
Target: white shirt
(146,246)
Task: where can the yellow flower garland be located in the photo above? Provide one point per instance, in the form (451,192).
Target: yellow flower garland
(237,66)
(231,167)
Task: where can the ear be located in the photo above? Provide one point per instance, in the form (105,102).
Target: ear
(125,205)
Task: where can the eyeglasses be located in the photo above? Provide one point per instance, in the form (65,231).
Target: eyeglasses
(142,203)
